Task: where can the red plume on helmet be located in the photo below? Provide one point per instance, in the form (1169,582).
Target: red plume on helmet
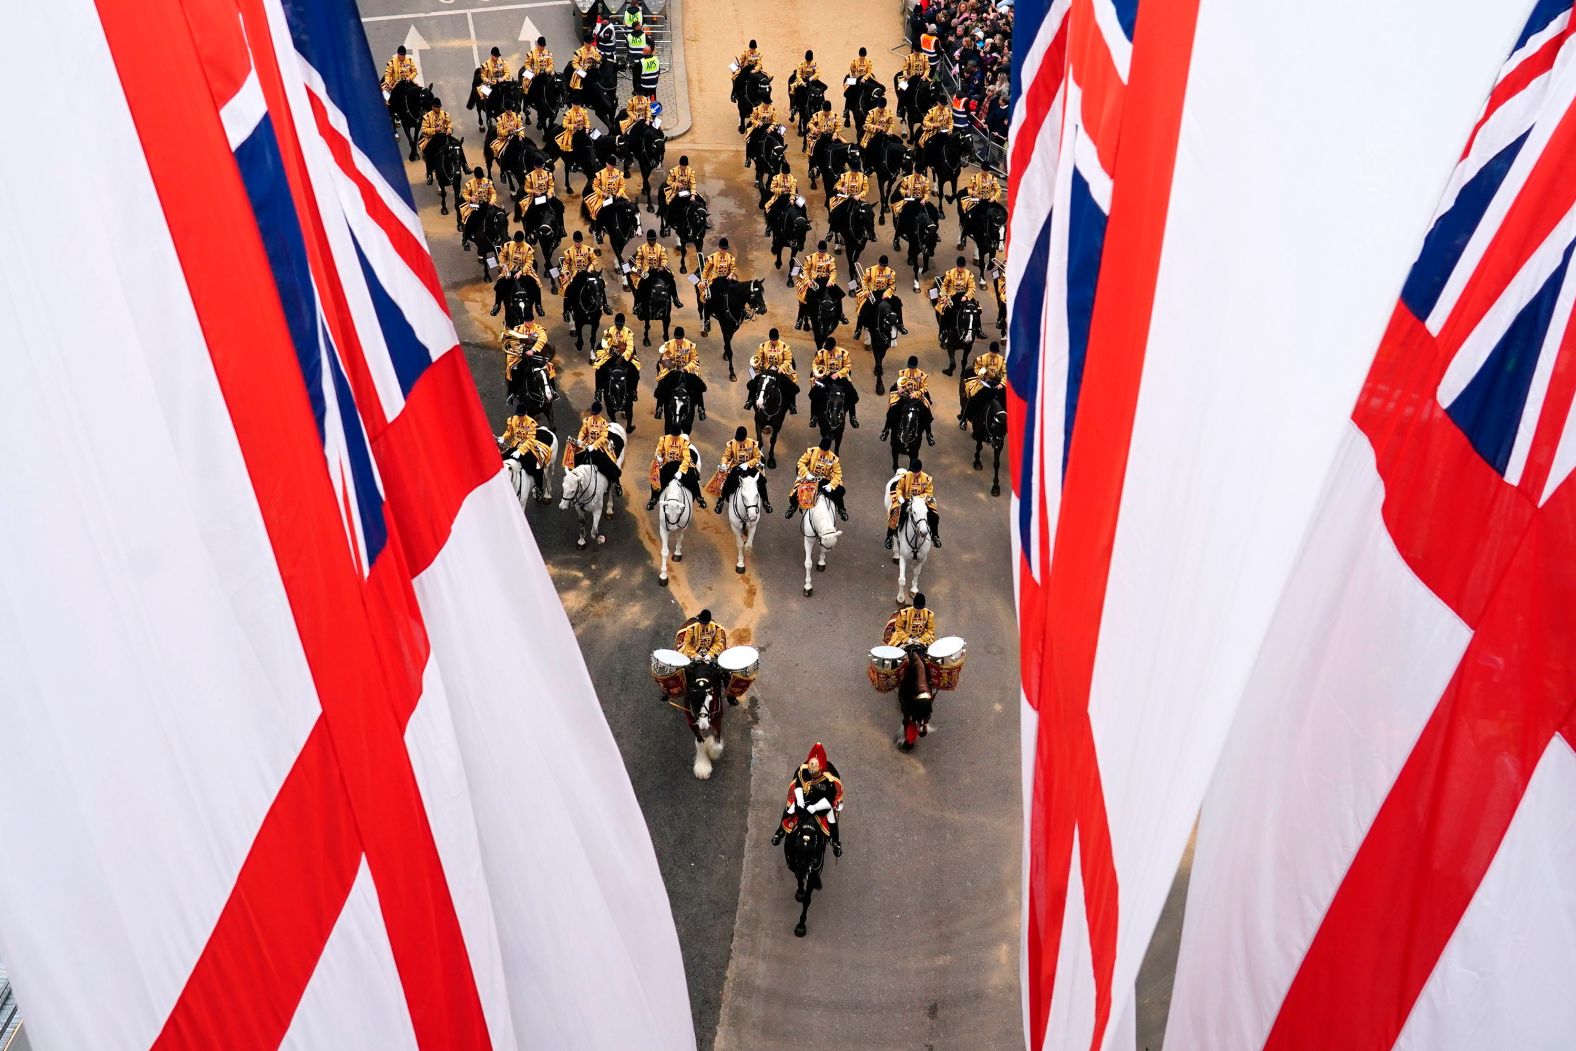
(818,754)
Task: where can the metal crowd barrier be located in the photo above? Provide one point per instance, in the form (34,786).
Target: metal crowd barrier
(988,150)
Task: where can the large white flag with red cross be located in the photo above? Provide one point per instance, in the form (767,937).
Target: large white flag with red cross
(298,748)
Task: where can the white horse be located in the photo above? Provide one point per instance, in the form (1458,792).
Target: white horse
(744,514)
(587,491)
(675,511)
(819,526)
(525,486)
(911,546)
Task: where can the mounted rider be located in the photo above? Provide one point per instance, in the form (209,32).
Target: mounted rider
(527,339)
(880,121)
(576,121)
(938,120)
(852,185)
(537,62)
(520,444)
(741,455)
(957,285)
(585,58)
(911,188)
(776,357)
(495,70)
(577,259)
(678,361)
(539,182)
(989,373)
(701,638)
(400,67)
(651,256)
(822,122)
(761,119)
(749,61)
(436,121)
(804,72)
(982,186)
(910,626)
(916,66)
(508,126)
(477,191)
(913,383)
(819,469)
(720,265)
(831,369)
(861,71)
(876,284)
(681,181)
(815,789)
(594,441)
(819,265)
(673,458)
(911,483)
(782,189)
(636,111)
(608,184)
(618,343)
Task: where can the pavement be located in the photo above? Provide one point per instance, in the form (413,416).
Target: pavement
(913,941)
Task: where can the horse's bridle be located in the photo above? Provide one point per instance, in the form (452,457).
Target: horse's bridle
(738,499)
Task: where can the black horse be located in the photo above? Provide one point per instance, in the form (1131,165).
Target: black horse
(919,226)
(488,232)
(654,301)
(677,396)
(617,385)
(501,96)
(542,219)
(764,150)
(530,390)
(853,225)
(771,409)
(544,96)
(408,103)
(914,699)
(887,159)
(618,222)
(860,99)
(731,304)
(805,102)
(790,226)
(519,156)
(824,308)
(912,423)
(804,850)
(582,158)
(986,225)
(959,328)
(879,321)
(521,297)
(916,100)
(832,416)
(646,147)
(750,88)
(944,157)
(598,92)
(586,301)
(829,159)
(445,157)
(988,424)
(688,218)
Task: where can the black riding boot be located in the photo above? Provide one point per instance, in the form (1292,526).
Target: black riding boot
(837,840)
(935,529)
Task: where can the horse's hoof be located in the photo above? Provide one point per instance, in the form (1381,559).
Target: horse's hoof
(444,210)
(800,931)
(995,490)
(662,581)
(780,266)
(821,568)
(601,539)
(580,543)
(949,370)
(978,466)
(771,462)
(678,558)
(738,569)
(808,592)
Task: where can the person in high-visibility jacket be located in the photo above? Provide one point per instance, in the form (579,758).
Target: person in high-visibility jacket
(648,71)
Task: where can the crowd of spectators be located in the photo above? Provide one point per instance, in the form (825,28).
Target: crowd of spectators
(974,45)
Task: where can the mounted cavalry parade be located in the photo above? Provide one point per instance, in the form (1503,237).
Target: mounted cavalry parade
(547,197)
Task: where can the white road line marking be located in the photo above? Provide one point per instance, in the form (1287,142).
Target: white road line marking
(476,54)
(467,11)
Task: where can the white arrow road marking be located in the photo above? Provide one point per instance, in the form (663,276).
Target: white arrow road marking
(528,30)
(415,44)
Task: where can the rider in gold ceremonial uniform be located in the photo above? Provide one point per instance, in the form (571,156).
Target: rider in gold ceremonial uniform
(680,179)
(816,790)
(750,59)
(911,483)
(436,121)
(880,119)
(742,453)
(982,186)
(586,56)
(636,110)
(989,372)
(938,120)
(538,60)
(609,183)
(508,125)
(528,337)
(650,255)
(804,72)
(701,638)
(853,184)
(495,70)
(832,368)
(912,382)
(576,120)
(910,626)
(720,263)
(821,466)
(673,458)
(916,66)
(877,283)
(521,444)
(911,188)
(957,285)
(821,123)
(782,188)
(399,67)
(776,357)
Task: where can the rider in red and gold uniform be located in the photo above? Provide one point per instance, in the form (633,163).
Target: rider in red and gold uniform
(911,483)
(816,790)
(700,638)
(742,453)
(910,626)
